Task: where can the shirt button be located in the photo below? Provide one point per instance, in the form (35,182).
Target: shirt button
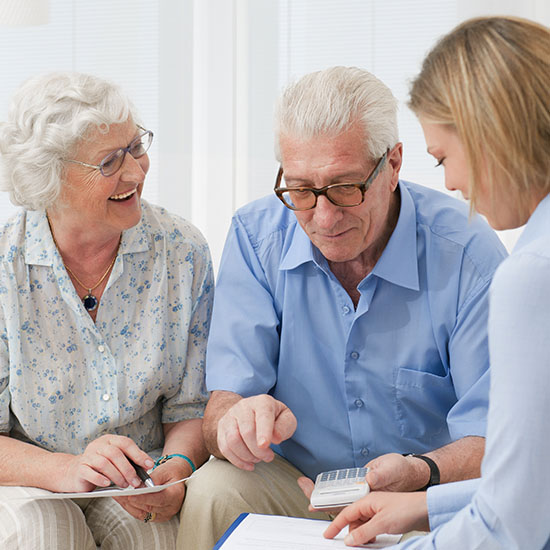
(354,355)
(105,397)
(101,348)
(359,403)
(364,451)
(345,310)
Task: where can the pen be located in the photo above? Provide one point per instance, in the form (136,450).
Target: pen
(141,473)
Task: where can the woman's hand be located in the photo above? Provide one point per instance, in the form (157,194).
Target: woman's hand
(102,462)
(378,513)
(164,504)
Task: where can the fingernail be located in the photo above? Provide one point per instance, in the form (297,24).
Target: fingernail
(348,540)
(149,463)
(136,482)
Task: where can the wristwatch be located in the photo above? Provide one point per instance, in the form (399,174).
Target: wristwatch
(434,470)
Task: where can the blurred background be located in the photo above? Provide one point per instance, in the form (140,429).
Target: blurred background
(204,75)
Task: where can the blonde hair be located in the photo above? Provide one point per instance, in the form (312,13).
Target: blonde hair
(489,79)
(332,100)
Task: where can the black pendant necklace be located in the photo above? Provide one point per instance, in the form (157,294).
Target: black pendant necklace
(89,301)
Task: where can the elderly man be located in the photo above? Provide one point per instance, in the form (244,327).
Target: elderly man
(349,319)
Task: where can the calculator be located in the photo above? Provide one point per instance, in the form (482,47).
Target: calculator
(338,488)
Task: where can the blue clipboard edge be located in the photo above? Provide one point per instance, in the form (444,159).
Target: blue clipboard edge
(230,530)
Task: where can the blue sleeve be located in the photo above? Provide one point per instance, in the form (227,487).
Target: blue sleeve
(444,501)
(243,346)
(510,508)
(469,366)
(190,401)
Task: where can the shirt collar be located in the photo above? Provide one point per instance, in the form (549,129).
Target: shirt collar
(300,251)
(40,248)
(398,263)
(537,225)
(39,245)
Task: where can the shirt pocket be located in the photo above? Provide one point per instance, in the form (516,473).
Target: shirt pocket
(423,401)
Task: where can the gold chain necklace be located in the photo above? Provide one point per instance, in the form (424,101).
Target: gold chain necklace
(90,301)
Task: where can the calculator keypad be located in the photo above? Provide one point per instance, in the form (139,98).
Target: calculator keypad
(350,476)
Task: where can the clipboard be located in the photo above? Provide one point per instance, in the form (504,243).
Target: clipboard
(230,530)
(252,531)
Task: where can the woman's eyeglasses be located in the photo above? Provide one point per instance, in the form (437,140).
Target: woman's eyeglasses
(114,160)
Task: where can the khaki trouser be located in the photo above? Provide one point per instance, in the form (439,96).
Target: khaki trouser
(218,492)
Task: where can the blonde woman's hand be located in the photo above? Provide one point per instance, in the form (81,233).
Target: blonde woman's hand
(378,513)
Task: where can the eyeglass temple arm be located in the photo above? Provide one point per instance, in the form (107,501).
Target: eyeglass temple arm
(82,163)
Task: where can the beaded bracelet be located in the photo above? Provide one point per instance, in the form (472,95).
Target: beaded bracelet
(165,458)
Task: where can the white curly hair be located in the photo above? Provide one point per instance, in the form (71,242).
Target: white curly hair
(48,118)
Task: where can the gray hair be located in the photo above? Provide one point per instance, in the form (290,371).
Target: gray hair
(48,118)
(330,101)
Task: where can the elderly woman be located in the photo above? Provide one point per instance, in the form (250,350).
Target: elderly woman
(105,308)
(483,100)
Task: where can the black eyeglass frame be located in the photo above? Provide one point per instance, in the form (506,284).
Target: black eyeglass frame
(323,191)
(124,150)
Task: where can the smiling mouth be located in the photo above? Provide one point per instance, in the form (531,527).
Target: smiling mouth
(123,196)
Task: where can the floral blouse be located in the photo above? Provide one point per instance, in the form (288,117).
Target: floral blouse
(65,380)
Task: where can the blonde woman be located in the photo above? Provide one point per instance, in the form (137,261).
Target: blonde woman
(483,100)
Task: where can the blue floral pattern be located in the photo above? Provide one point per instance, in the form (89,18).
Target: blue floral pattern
(65,380)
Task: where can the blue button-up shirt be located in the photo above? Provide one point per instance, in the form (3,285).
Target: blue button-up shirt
(405,371)
(510,506)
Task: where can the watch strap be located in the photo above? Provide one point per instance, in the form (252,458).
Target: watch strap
(435,476)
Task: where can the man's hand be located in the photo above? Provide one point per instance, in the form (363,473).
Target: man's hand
(307,487)
(250,426)
(389,472)
(378,513)
(394,472)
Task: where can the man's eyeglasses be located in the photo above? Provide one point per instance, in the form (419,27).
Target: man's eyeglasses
(340,194)
(113,161)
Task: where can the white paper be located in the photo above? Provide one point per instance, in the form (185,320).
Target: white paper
(36,493)
(282,533)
